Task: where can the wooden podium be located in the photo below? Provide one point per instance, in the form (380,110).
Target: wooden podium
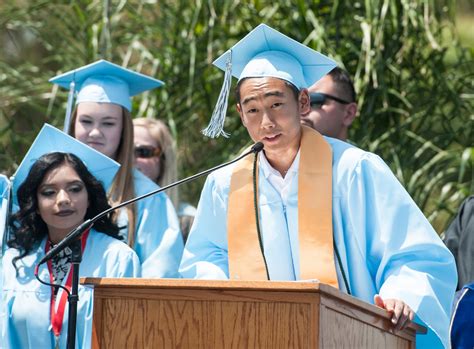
(166,313)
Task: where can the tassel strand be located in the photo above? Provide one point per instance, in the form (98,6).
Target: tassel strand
(216,125)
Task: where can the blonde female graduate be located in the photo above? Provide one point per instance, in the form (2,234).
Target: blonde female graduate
(102,120)
(156,158)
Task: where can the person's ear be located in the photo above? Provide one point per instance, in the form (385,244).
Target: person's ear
(304,102)
(239,110)
(350,114)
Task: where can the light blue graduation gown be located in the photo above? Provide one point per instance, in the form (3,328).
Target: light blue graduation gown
(158,240)
(4,195)
(386,244)
(4,200)
(27,302)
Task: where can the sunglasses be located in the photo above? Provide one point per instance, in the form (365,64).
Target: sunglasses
(146,151)
(318,99)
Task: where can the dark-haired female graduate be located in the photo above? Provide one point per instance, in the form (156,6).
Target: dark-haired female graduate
(57,195)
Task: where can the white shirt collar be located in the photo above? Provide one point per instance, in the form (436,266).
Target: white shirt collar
(282,185)
(269,170)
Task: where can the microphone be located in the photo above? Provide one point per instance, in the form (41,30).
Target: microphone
(75,233)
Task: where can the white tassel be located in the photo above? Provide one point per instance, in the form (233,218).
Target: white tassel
(216,125)
(70,99)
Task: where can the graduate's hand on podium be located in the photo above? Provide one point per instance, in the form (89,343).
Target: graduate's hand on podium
(402,314)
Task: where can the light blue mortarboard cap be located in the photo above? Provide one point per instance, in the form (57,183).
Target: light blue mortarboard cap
(104,82)
(49,140)
(265,52)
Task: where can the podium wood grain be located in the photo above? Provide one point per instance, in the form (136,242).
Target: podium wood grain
(152,313)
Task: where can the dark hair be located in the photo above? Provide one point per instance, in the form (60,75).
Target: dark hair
(294,89)
(343,83)
(27,226)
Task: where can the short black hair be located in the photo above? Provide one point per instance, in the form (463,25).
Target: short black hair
(294,89)
(343,83)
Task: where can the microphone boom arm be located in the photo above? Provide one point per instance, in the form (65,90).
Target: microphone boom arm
(75,233)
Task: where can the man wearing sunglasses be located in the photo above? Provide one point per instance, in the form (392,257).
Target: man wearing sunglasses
(333,105)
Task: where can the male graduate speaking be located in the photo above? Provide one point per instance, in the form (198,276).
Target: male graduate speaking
(322,209)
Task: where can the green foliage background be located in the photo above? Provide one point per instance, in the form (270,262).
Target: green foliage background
(414,79)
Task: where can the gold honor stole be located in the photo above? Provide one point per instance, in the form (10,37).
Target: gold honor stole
(314,216)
